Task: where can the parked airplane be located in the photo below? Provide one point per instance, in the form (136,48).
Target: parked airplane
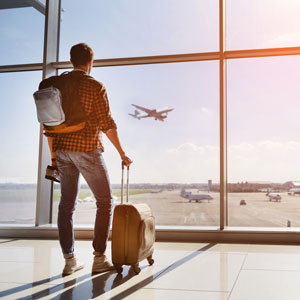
(199,197)
(157,114)
(294,191)
(274,196)
(195,197)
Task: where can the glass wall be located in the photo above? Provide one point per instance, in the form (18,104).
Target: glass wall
(173,157)
(19,135)
(22,40)
(264,142)
(21,36)
(259,24)
(176,161)
(140,28)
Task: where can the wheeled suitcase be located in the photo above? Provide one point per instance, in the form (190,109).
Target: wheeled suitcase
(133,232)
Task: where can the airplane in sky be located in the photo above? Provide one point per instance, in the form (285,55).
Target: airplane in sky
(157,114)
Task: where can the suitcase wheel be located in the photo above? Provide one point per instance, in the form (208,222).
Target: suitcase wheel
(136,268)
(119,269)
(150,260)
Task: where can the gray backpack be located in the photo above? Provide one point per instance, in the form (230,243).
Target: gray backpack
(58,103)
(48,103)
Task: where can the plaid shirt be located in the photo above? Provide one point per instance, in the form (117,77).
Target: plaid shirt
(95,103)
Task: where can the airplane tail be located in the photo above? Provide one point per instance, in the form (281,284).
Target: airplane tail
(136,114)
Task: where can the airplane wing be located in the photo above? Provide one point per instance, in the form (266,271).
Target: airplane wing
(144,116)
(164,110)
(142,108)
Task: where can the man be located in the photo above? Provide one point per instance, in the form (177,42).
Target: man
(81,152)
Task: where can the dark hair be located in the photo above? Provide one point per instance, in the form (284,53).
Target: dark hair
(81,54)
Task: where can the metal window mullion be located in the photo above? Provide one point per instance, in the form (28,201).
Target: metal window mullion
(45,187)
(223,144)
(235,54)
(143,60)
(253,53)
(21,68)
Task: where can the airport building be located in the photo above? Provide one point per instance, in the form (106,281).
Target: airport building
(205,95)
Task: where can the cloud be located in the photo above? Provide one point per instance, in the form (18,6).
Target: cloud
(189,162)
(264,160)
(193,148)
(291,38)
(205,110)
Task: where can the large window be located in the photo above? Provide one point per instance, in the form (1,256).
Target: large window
(260,24)
(177,167)
(264,142)
(21,35)
(140,28)
(19,134)
(178,154)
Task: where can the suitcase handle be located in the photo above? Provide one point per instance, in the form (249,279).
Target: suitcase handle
(122,183)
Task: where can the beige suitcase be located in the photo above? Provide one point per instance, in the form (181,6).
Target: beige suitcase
(133,232)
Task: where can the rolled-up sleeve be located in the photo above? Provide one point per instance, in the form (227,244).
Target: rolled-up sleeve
(102,110)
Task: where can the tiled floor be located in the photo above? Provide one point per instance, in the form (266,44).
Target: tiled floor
(31,269)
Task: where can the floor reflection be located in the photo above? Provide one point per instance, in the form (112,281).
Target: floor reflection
(91,286)
(86,287)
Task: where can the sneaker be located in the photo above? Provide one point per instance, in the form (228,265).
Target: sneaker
(102,264)
(72,265)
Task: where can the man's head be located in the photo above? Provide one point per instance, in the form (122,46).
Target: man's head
(82,57)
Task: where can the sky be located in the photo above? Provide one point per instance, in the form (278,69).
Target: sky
(263,94)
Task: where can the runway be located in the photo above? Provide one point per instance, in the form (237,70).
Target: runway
(169,208)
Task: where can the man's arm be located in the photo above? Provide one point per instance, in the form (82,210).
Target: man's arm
(112,135)
(53,154)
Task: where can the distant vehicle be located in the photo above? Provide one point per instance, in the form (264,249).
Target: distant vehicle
(243,202)
(274,196)
(294,191)
(156,191)
(157,114)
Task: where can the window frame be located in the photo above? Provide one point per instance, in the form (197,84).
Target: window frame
(222,233)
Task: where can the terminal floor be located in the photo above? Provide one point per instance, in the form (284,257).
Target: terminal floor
(31,269)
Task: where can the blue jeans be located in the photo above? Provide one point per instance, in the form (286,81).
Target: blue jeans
(92,167)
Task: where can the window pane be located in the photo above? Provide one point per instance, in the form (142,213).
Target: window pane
(262,24)
(19,135)
(140,28)
(21,36)
(180,152)
(264,141)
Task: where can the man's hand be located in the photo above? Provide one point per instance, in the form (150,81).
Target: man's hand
(126,160)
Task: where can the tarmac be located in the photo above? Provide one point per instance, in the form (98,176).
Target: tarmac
(169,208)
